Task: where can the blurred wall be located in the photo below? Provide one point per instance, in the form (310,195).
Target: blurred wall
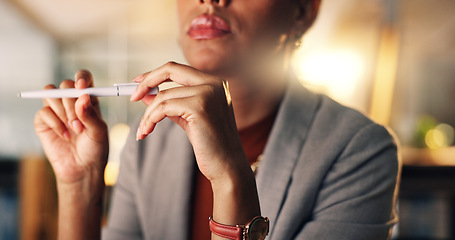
(27,61)
(426,73)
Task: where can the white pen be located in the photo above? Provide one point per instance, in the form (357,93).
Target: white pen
(122,89)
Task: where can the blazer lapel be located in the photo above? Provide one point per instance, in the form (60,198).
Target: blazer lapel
(283,148)
(172,190)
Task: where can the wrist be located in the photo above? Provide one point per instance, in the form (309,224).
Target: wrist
(80,209)
(86,191)
(235,197)
(235,171)
(256,229)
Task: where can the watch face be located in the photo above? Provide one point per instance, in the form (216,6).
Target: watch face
(258,229)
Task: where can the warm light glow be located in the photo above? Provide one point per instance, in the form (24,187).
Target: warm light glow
(111,173)
(385,77)
(448,131)
(117,139)
(439,137)
(335,72)
(118,135)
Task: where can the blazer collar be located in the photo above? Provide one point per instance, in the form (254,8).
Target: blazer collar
(283,148)
(172,189)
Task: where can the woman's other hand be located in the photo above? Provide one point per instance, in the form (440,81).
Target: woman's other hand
(73,135)
(75,140)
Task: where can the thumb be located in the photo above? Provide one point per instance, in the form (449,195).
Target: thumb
(90,118)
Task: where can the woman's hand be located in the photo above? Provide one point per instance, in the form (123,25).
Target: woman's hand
(202,107)
(73,135)
(74,138)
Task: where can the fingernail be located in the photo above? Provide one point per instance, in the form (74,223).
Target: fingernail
(138,134)
(143,130)
(67,135)
(77,126)
(139,78)
(140,138)
(80,82)
(86,105)
(133,95)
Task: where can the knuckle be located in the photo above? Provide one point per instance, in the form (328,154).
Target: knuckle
(171,64)
(162,94)
(71,116)
(38,115)
(44,115)
(163,105)
(168,67)
(202,106)
(44,110)
(209,90)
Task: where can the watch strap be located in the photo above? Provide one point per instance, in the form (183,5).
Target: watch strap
(226,231)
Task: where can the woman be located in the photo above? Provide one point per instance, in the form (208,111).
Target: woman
(327,172)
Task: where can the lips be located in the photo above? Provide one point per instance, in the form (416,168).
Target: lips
(207,27)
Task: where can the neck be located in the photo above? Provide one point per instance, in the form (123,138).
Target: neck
(257,89)
(254,100)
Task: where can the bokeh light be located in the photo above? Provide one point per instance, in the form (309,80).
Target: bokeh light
(335,72)
(111,173)
(439,137)
(117,138)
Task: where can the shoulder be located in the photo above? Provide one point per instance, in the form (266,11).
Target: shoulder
(322,117)
(337,163)
(343,143)
(337,120)
(333,131)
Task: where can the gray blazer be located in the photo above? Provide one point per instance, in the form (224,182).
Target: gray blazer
(328,172)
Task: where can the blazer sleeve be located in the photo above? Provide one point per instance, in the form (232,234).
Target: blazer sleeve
(357,197)
(123,221)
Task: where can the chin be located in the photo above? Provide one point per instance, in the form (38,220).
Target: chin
(211,62)
(210,57)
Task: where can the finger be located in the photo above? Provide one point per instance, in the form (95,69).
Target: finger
(176,107)
(46,119)
(90,119)
(56,105)
(140,77)
(148,99)
(49,86)
(179,92)
(181,74)
(175,92)
(68,103)
(84,79)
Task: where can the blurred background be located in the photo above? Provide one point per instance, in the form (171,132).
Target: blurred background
(393,60)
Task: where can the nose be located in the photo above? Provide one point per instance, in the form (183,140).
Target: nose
(221,3)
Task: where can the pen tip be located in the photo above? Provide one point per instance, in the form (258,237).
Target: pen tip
(19,95)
